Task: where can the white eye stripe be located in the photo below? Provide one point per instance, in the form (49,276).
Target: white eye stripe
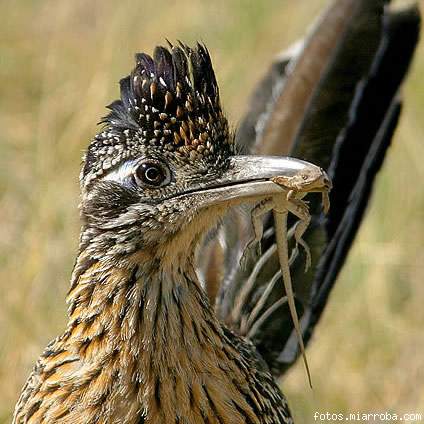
(122,173)
(126,172)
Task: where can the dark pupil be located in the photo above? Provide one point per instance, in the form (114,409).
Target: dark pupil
(150,174)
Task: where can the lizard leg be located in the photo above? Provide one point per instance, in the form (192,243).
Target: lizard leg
(300,209)
(256,215)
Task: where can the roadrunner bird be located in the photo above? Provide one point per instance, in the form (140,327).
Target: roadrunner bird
(161,331)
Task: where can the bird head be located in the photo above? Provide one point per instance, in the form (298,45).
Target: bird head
(163,169)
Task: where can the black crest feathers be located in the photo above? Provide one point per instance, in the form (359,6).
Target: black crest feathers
(170,101)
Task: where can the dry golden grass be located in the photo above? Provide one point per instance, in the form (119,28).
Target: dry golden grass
(59,65)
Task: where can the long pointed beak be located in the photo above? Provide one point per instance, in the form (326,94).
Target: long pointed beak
(248,179)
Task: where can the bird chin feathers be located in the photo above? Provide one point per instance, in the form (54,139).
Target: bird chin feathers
(181,246)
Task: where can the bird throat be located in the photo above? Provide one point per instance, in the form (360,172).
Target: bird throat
(149,346)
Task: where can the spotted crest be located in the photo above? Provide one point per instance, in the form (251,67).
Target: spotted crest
(169,103)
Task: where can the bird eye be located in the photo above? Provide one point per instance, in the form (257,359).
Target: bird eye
(153,174)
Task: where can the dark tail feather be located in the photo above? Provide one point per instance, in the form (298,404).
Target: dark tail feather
(357,157)
(338,248)
(372,100)
(261,104)
(328,111)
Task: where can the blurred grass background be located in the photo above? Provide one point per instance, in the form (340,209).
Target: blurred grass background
(60,63)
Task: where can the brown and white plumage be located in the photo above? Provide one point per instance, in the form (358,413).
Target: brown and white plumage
(144,342)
